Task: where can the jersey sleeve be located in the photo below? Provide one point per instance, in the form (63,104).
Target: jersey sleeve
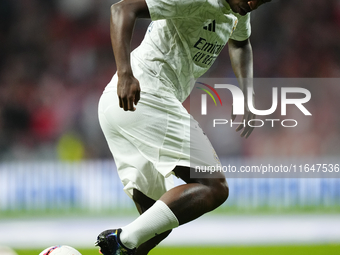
(243,28)
(168,9)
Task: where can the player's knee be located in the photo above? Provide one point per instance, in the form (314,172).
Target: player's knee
(219,191)
(222,191)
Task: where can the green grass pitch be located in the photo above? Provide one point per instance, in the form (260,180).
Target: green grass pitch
(331,249)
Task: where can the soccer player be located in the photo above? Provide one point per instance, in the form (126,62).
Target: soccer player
(158,137)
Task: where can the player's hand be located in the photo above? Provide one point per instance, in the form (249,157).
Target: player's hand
(128,91)
(248,115)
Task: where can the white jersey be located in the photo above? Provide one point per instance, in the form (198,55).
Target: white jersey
(182,42)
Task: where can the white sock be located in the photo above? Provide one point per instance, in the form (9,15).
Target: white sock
(156,220)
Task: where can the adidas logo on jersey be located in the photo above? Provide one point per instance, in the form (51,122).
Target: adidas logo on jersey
(210,27)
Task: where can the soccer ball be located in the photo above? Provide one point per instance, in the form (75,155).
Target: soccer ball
(60,250)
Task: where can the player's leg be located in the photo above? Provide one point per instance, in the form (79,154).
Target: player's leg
(143,203)
(179,205)
(187,202)
(198,196)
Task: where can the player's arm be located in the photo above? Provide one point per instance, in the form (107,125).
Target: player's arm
(241,56)
(122,22)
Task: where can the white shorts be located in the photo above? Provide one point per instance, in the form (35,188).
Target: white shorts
(149,143)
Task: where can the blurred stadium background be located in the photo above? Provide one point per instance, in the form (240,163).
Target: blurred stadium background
(56,170)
